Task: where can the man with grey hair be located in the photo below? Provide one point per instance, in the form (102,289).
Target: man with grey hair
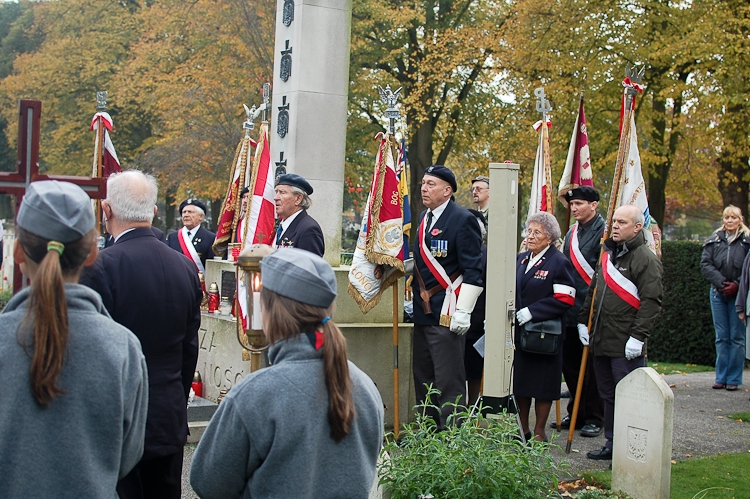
(626,295)
(193,240)
(153,291)
(295,228)
(480,196)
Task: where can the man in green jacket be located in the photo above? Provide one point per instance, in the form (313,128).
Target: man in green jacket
(628,293)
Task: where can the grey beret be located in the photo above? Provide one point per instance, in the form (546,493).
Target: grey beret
(57,211)
(300,275)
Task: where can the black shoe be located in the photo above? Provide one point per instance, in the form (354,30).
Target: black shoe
(564,424)
(591,430)
(603,454)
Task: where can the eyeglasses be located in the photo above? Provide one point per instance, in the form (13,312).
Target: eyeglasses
(535,233)
(478,189)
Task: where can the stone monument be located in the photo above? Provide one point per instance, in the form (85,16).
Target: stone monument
(642,446)
(309,105)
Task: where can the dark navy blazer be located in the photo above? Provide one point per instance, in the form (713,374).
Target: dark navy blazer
(154,291)
(203,242)
(304,233)
(460,230)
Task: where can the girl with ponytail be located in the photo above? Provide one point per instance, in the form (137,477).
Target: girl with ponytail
(74,381)
(311,424)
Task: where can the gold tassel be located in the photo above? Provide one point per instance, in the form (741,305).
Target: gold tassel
(445,320)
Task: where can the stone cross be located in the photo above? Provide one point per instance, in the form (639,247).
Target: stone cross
(642,443)
(27,168)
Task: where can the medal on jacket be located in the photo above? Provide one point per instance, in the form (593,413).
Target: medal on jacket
(434,248)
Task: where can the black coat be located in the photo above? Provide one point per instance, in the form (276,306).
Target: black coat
(154,291)
(110,241)
(537,375)
(203,242)
(304,233)
(464,244)
(590,244)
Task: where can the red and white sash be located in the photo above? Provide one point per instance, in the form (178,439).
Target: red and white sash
(621,285)
(579,261)
(452,289)
(189,250)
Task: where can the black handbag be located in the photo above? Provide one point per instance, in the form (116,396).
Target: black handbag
(541,337)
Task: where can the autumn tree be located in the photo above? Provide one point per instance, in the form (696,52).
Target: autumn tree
(440,53)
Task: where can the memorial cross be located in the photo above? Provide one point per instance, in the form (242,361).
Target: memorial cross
(27,168)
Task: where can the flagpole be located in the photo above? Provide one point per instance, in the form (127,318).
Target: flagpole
(634,76)
(101,106)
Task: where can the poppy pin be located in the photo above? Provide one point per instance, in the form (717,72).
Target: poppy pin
(435,232)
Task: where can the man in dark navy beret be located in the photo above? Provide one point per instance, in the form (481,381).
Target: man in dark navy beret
(448,254)
(193,240)
(295,228)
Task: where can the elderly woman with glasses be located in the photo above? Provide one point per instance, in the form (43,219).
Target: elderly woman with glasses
(544,292)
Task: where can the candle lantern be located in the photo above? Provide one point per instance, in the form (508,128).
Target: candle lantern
(249,323)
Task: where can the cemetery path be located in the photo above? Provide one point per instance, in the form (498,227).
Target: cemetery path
(701,427)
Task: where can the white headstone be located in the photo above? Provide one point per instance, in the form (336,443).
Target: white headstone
(642,450)
(310,91)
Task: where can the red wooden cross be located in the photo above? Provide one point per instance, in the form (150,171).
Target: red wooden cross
(27,168)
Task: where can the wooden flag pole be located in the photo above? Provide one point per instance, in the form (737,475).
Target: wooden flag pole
(101,105)
(396,422)
(614,201)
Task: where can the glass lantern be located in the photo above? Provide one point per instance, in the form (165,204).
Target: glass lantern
(249,323)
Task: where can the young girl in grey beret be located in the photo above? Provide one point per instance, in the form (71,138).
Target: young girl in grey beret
(311,424)
(74,392)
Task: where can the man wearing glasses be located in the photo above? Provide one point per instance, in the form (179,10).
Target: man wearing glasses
(480,195)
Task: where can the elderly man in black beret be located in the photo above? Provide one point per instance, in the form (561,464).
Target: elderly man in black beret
(582,247)
(193,240)
(448,274)
(295,228)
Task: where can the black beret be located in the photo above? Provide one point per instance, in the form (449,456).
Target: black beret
(244,190)
(193,202)
(443,173)
(295,181)
(583,192)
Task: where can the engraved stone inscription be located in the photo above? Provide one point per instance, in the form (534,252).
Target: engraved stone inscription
(637,442)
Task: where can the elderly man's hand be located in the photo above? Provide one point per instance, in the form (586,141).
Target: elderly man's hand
(583,334)
(633,348)
(460,321)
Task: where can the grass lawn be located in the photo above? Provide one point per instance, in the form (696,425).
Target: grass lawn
(674,368)
(741,416)
(716,477)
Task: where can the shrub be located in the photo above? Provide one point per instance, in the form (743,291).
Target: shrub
(684,331)
(5,296)
(480,458)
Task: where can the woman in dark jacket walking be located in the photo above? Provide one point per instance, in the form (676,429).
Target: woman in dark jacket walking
(721,263)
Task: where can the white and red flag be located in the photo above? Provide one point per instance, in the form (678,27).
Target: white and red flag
(378,259)
(261,208)
(110,163)
(577,170)
(541,184)
(633,188)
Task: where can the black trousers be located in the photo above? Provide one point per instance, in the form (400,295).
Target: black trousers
(155,478)
(438,360)
(591,408)
(609,372)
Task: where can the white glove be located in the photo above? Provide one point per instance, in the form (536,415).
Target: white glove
(460,321)
(633,348)
(583,334)
(523,316)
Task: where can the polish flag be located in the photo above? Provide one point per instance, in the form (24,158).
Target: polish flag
(262,209)
(110,163)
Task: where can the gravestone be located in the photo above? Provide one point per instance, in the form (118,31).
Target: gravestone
(642,450)
(309,105)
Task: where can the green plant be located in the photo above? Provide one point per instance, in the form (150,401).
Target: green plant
(5,297)
(684,331)
(677,368)
(475,456)
(740,416)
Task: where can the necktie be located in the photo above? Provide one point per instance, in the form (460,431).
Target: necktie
(188,234)
(279,230)
(427,236)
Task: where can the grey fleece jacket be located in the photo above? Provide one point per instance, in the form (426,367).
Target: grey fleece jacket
(270,437)
(92,434)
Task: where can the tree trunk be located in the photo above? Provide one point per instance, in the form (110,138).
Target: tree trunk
(420,157)
(733,183)
(216,205)
(169,209)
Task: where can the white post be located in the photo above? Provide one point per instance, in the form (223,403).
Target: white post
(502,248)
(310,91)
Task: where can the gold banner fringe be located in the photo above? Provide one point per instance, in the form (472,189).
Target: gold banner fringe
(367,305)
